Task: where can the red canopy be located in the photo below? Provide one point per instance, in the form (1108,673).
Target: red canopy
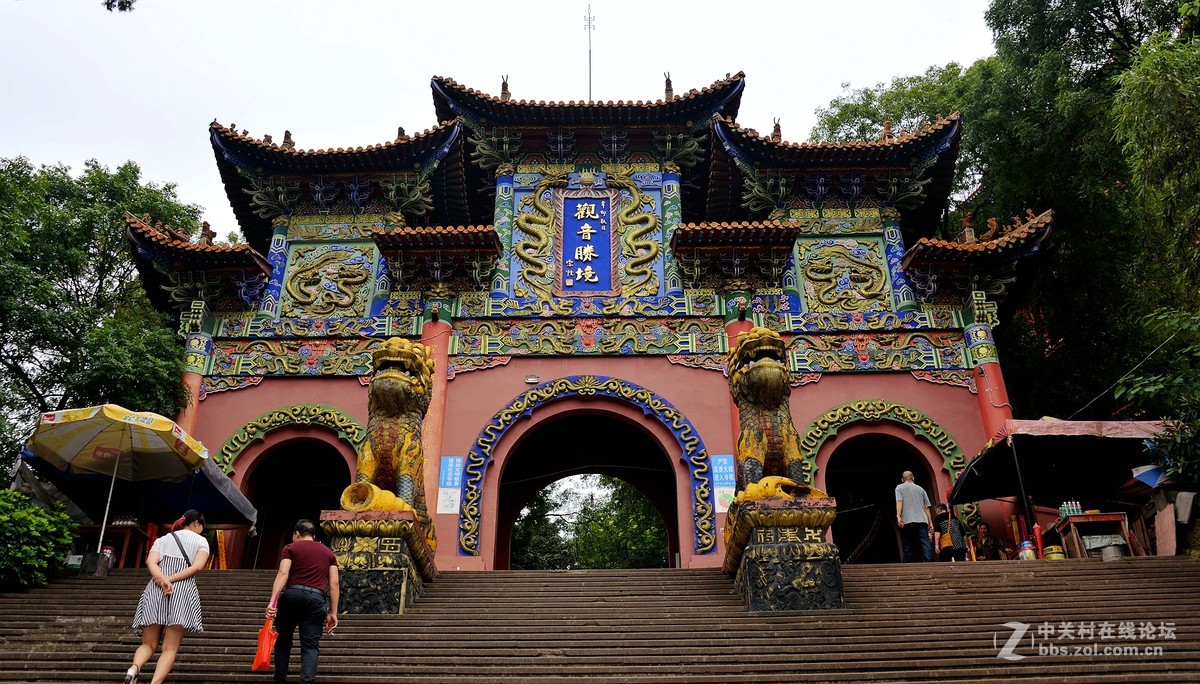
(1118,429)
(1057,459)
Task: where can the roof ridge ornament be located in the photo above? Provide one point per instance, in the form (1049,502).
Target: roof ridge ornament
(207,235)
(668,91)
(288,143)
(777,132)
(505,95)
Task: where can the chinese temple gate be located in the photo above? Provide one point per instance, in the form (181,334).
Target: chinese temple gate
(580,271)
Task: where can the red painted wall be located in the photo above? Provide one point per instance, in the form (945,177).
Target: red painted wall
(473,398)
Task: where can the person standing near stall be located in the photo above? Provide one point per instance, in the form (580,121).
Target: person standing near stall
(916,524)
(170,604)
(988,547)
(305,594)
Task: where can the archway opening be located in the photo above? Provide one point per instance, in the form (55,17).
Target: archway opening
(862,475)
(589,522)
(296,479)
(580,444)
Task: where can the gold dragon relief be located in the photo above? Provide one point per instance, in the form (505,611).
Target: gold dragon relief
(844,275)
(326,281)
(637,219)
(533,235)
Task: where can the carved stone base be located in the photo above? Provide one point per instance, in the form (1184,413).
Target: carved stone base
(383,561)
(777,552)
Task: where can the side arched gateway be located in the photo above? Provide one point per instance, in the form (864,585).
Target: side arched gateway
(925,428)
(292,462)
(874,410)
(587,387)
(346,427)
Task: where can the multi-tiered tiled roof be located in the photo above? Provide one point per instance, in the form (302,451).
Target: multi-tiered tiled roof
(452,183)
(451,100)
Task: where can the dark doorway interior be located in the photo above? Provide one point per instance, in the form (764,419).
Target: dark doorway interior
(862,475)
(298,479)
(579,444)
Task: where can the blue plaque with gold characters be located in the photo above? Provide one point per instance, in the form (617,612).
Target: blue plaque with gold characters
(586,255)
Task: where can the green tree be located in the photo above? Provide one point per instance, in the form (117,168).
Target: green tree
(619,528)
(35,540)
(905,103)
(541,538)
(1157,112)
(590,521)
(1040,115)
(76,327)
(1169,388)
(1038,134)
(1095,39)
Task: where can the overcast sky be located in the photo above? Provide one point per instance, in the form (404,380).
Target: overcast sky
(78,82)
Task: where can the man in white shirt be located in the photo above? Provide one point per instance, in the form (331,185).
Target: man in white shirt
(914,519)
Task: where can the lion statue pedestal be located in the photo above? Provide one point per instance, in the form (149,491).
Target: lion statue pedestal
(777,552)
(383,560)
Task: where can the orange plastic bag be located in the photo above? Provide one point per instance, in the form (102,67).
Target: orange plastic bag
(266,645)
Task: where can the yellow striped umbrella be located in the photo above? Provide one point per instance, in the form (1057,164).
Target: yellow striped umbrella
(112,440)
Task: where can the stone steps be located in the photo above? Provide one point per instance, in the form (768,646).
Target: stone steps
(904,623)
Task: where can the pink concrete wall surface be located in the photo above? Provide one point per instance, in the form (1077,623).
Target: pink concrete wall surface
(702,396)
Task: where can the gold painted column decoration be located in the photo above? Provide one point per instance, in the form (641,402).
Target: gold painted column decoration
(198,351)
(994,408)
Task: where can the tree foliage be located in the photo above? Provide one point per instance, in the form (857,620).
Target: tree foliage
(35,540)
(1038,134)
(1170,388)
(1157,113)
(541,538)
(905,103)
(1096,39)
(1043,124)
(599,523)
(620,528)
(76,327)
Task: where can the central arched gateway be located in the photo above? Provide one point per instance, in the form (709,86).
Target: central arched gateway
(579,443)
(568,417)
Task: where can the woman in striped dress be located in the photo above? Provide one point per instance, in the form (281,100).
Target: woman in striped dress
(170,605)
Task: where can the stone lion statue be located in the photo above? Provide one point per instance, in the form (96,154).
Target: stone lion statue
(391,465)
(768,460)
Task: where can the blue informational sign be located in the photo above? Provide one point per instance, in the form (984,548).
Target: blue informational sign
(723,475)
(587,247)
(451,474)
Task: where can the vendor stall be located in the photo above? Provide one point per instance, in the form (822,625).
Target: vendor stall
(1049,461)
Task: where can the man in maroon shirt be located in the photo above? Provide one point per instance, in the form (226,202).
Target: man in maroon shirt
(307,575)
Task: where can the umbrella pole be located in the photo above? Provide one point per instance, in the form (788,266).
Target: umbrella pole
(108,504)
(191,485)
(1021,485)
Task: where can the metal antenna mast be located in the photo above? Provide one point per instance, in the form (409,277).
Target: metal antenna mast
(589,25)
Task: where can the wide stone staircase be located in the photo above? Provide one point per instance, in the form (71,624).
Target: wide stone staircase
(1133,620)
